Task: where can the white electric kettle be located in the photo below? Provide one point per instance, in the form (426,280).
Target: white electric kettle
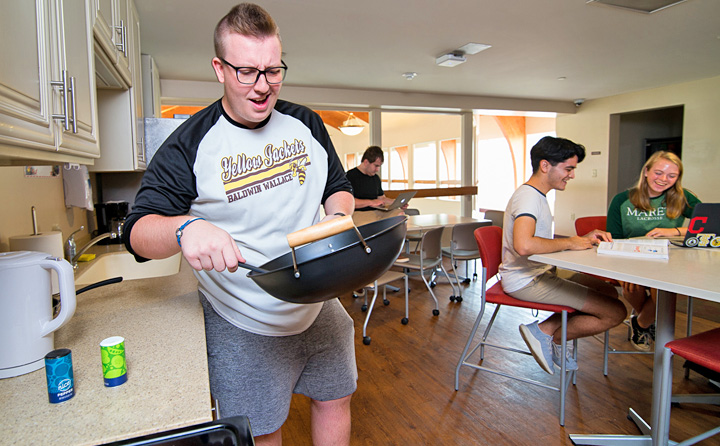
(26,312)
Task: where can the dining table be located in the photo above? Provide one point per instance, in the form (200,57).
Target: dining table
(687,271)
(425,222)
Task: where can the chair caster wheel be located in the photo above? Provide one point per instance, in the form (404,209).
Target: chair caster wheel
(364,308)
(436,312)
(386,302)
(366,340)
(466,281)
(432,284)
(452,298)
(459,299)
(404,321)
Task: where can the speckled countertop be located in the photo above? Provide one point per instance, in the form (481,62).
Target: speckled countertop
(162,323)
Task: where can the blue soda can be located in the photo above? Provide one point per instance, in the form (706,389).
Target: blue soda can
(59,374)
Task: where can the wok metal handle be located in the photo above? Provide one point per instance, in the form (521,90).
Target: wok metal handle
(320,231)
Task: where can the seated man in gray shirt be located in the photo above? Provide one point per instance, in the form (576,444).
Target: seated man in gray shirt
(528,230)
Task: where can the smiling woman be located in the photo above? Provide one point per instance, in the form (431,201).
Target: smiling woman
(656,207)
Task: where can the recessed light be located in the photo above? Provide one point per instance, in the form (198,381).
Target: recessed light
(562,78)
(646,6)
(410,75)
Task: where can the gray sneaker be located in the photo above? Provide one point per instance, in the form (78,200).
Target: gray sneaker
(570,363)
(540,345)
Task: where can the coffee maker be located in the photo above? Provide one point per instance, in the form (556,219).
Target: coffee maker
(111,218)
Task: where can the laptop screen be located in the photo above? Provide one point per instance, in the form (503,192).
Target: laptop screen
(704,227)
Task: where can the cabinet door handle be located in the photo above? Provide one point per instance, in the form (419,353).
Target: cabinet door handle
(122,32)
(72,101)
(63,84)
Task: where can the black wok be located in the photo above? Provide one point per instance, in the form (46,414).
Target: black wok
(331,266)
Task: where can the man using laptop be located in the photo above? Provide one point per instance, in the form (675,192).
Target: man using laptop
(367,188)
(528,230)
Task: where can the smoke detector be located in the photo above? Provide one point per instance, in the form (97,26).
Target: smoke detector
(451,59)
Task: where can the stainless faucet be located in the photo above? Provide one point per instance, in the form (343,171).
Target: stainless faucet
(70,247)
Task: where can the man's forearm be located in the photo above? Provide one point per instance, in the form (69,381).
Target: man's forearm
(539,245)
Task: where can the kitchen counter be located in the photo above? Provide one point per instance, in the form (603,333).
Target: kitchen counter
(162,322)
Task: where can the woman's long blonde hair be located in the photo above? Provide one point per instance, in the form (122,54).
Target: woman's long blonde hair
(675,200)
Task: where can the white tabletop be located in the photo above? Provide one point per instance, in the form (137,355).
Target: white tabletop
(689,271)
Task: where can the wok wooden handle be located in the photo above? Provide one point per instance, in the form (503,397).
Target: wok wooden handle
(320,231)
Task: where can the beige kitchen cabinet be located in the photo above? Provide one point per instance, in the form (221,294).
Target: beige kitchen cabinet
(48,101)
(120,111)
(111,28)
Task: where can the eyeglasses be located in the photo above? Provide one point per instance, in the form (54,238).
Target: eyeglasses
(250,75)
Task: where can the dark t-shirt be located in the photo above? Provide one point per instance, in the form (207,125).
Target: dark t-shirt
(365,187)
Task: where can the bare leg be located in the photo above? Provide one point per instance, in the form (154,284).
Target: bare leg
(330,422)
(602,311)
(646,316)
(274,439)
(644,307)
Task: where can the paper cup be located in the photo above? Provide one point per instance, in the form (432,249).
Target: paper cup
(112,351)
(59,374)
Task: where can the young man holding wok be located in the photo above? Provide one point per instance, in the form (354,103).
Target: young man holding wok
(226,188)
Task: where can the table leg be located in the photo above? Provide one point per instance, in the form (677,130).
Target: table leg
(664,333)
(658,435)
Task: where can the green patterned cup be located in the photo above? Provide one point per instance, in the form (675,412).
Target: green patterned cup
(112,351)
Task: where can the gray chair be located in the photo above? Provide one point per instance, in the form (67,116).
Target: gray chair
(428,258)
(382,281)
(463,247)
(412,236)
(495,216)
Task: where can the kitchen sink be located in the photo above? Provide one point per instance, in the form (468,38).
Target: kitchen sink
(122,263)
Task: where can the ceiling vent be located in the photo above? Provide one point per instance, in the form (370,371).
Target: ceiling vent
(644,6)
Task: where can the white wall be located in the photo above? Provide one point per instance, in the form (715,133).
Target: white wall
(587,195)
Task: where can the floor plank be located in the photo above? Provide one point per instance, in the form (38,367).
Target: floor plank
(406,390)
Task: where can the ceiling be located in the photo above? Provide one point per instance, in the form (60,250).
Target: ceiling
(549,49)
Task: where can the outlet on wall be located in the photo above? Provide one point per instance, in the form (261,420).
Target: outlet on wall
(572,216)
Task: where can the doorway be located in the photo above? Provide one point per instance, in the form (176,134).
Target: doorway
(633,136)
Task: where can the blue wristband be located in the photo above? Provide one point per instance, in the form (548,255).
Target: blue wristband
(179,231)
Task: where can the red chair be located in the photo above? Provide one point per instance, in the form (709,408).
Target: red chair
(489,240)
(583,225)
(701,349)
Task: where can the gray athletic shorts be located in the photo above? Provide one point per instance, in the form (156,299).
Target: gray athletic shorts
(256,375)
(571,290)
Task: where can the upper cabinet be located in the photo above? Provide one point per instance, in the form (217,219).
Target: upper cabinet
(120,109)
(112,30)
(48,103)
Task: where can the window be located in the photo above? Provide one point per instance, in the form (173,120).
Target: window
(449,171)
(424,166)
(351,160)
(397,167)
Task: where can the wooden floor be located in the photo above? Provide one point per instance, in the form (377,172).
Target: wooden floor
(406,390)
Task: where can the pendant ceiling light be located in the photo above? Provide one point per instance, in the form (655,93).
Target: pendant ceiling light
(352,126)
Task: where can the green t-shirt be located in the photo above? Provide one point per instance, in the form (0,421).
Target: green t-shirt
(624,221)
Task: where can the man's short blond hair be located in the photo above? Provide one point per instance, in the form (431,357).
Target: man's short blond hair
(247,19)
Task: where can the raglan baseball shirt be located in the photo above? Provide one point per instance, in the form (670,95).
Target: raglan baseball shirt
(258,185)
